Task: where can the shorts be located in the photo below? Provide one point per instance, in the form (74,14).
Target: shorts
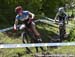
(24,25)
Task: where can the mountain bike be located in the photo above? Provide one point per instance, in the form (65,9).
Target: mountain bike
(62,30)
(27,35)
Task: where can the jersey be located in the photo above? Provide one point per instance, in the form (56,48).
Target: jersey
(61,16)
(25,16)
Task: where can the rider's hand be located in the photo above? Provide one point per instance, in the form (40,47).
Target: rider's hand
(15,30)
(54,21)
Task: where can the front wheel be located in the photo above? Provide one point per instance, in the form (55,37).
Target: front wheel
(25,40)
(24,37)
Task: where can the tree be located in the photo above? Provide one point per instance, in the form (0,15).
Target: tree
(38,7)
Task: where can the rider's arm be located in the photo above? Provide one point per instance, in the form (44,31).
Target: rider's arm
(15,24)
(66,17)
(32,15)
(56,17)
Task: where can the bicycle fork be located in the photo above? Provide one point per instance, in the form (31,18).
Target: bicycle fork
(25,40)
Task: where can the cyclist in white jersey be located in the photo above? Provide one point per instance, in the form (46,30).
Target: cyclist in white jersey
(26,17)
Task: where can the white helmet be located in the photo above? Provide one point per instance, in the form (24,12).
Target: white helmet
(61,10)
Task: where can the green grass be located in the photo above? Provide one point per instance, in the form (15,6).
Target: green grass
(8,38)
(47,32)
(65,50)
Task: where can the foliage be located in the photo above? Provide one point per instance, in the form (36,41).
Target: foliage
(72,35)
(47,30)
(12,38)
(47,7)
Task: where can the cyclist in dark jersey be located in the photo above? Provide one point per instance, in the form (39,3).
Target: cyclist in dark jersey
(62,17)
(61,14)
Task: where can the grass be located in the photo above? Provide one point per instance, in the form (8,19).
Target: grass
(13,38)
(47,32)
(65,50)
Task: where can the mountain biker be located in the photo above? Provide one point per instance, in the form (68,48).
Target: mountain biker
(62,17)
(27,18)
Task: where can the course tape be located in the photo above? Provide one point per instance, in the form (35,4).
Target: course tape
(49,21)
(36,45)
(6,29)
(55,55)
(44,21)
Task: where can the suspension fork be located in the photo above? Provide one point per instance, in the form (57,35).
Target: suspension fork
(25,40)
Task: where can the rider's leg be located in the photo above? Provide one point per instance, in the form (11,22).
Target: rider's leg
(34,41)
(37,34)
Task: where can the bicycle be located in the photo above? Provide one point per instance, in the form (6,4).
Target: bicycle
(28,32)
(62,28)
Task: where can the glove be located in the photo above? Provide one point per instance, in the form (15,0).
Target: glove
(15,30)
